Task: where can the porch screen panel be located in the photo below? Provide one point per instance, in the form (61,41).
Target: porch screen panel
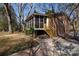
(28,24)
(45,20)
(41,22)
(31,23)
(37,22)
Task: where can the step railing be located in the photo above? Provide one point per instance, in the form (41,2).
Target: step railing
(50,30)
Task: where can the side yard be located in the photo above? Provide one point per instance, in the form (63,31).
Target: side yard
(10,43)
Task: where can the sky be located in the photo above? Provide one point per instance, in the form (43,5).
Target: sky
(36,6)
(40,8)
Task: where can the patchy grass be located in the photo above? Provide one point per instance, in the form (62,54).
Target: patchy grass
(11,43)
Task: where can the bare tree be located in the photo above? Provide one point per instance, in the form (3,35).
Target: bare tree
(21,14)
(72,12)
(6,6)
(73,9)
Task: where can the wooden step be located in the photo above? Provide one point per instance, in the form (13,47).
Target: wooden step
(50,31)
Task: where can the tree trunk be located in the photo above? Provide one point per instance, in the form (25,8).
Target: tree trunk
(74,31)
(21,16)
(8,17)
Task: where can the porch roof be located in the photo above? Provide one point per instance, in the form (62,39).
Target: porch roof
(35,14)
(55,15)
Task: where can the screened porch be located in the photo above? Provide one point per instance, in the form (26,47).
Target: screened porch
(37,22)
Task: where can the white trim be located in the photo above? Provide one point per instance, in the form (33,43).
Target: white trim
(38,28)
(34,22)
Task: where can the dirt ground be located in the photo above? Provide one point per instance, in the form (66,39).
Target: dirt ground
(12,42)
(56,46)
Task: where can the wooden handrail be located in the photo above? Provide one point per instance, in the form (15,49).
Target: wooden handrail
(50,30)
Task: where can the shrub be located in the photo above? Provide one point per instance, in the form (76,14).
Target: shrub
(30,31)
